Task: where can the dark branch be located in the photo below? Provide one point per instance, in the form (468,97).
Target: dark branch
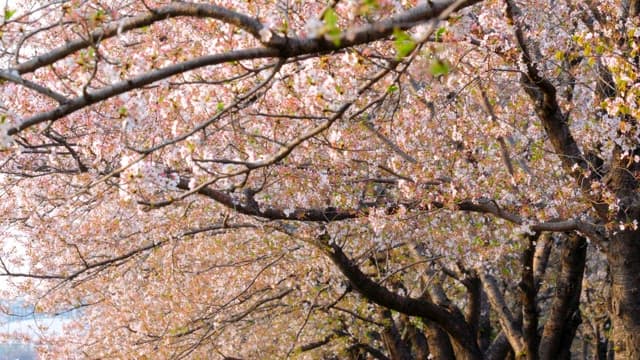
(450,321)
(175,9)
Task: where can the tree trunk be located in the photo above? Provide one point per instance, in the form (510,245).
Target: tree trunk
(624,262)
(528,293)
(392,339)
(564,315)
(438,340)
(415,338)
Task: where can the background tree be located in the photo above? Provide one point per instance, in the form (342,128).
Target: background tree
(386,179)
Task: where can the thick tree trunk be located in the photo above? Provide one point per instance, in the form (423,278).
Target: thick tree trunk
(624,262)
(438,340)
(624,256)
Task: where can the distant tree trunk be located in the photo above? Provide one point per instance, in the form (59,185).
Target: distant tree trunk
(564,315)
(392,338)
(415,338)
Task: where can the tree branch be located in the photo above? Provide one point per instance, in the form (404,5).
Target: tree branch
(120,87)
(175,9)
(555,122)
(506,319)
(277,46)
(451,322)
(14,77)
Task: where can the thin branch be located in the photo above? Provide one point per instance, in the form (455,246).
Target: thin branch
(15,77)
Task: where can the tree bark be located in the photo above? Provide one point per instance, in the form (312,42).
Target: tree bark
(564,315)
(449,318)
(484,325)
(438,341)
(415,338)
(624,262)
(528,294)
(391,338)
(474,307)
(499,349)
(511,328)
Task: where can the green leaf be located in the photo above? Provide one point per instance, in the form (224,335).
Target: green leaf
(8,14)
(331,28)
(403,43)
(330,18)
(220,106)
(440,32)
(392,88)
(439,68)
(191,147)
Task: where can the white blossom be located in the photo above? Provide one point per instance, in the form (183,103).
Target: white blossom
(313,28)
(265,35)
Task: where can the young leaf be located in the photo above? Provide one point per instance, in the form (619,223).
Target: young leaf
(330,19)
(368,6)
(403,43)
(440,32)
(8,14)
(439,68)
(331,29)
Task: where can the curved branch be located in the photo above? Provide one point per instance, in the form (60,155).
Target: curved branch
(450,321)
(139,81)
(175,9)
(435,9)
(273,213)
(555,122)
(331,213)
(488,206)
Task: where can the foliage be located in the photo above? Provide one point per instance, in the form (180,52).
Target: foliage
(386,179)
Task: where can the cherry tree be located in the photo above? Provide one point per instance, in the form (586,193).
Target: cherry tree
(350,179)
